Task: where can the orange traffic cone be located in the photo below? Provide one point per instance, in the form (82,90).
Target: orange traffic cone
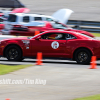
(39,58)
(93,63)
(36,32)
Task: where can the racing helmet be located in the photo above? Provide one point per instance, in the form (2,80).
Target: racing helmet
(59,36)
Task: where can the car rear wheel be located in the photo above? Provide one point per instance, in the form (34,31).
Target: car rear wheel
(83,56)
(13,53)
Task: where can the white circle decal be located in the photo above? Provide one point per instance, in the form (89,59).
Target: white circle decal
(55,45)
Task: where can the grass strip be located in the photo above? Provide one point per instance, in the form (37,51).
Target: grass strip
(96,34)
(5,69)
(93,97)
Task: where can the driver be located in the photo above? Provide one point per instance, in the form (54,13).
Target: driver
(55,36)
(59,36)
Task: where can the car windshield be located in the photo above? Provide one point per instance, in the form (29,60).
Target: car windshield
(33,36)
(57,25)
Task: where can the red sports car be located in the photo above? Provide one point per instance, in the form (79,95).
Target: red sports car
(52,44)
(42,26)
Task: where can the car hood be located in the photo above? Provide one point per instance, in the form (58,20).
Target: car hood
(62,15)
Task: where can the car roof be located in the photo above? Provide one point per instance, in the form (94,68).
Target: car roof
(61,31)
(27,14)
(76,34)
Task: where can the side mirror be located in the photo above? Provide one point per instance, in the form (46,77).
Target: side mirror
(38,38)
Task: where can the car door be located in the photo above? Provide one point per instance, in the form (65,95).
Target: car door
(50,47)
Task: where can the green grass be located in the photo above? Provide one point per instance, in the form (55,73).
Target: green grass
(94,97)
(96,34)
(4,69)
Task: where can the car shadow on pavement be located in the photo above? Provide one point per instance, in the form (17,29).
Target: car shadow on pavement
(53,62)
(25,61)
(34,61)
(59,62)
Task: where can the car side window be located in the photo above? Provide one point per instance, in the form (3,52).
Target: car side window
(54,36)
(57,25)
(49,19)
(69,36)
(37,18)
(26,19)
(12,18)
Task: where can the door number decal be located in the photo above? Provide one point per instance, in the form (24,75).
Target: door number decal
(55,45)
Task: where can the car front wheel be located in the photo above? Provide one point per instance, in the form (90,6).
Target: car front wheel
(13,53)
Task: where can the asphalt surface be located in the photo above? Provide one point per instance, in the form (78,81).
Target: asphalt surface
(83,9)
(65,80)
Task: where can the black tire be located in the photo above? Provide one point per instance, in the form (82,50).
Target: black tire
(13,53)
(21,59)
(83,56)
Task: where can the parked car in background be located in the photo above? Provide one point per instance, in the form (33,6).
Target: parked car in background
(25,19)
(52,44)
(4,15)
(2,23)
(42,26)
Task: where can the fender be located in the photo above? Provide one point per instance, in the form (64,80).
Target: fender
(14,42)
(82,45)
